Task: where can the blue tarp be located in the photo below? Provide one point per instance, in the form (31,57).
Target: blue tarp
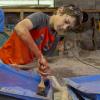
(87,86)
(19,84)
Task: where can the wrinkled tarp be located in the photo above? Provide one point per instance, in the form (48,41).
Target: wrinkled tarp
(19,84)
(88,86)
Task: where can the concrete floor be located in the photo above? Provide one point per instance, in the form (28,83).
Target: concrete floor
(76,66)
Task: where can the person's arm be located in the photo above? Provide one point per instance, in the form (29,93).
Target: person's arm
(22,30)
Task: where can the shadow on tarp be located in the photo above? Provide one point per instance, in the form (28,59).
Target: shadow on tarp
(19,84)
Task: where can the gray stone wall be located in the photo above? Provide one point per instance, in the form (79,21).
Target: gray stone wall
(64,2)
(97,3)
(85,4)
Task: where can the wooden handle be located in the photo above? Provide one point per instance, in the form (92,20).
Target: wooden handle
(41,86)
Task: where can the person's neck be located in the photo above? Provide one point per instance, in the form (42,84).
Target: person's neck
(51,21)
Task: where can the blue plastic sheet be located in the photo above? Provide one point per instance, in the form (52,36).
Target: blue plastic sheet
(19,84)
(86,86)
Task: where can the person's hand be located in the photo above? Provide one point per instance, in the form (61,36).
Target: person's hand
(42,62)
(43,68)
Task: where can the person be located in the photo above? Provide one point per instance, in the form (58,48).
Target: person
(1,21)
(3,35)
(36,34)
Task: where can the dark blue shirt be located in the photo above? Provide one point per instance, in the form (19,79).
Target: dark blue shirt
(1,20)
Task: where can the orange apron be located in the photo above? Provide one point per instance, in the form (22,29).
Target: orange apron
(15,51)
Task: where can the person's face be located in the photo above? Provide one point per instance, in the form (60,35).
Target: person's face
(64,22)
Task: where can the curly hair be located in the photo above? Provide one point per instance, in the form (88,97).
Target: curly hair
(74,11)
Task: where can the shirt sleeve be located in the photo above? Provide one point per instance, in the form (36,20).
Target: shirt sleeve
(37,19)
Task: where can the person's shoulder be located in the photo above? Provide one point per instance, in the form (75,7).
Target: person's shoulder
(1,13)
(40,14)
(1,10)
